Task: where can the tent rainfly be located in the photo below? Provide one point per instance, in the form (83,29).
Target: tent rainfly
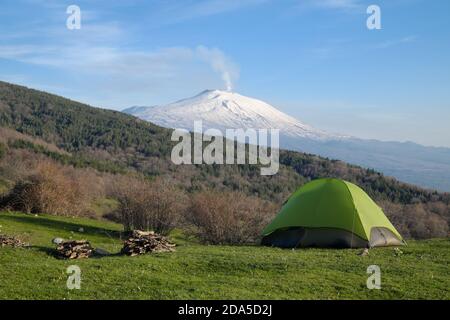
(330,213)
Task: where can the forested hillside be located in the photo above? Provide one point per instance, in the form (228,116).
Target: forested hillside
(73,134)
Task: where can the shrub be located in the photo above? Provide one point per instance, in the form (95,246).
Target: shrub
(145,205)
(424,224)
(50,189)
(416,220)
(229,218)
(2,150)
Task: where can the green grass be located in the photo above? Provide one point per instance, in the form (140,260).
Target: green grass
(102,206)
(197,271)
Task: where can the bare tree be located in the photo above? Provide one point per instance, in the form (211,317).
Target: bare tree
(229,217)
(144,205)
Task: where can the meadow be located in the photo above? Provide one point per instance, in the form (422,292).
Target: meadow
(197,271)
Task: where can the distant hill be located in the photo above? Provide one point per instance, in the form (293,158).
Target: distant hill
(410,162)
(119,143)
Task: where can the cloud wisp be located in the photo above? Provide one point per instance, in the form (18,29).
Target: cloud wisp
(391,43)
(112,61)
(175,11)
(342,5)
(338,4)
(105,63)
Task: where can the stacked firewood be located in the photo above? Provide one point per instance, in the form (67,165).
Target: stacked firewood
(75,249)
(11,242)
(142,242)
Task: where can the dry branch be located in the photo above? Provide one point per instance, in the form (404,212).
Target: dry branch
(143,242)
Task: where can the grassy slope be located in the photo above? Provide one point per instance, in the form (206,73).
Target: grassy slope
(211,272)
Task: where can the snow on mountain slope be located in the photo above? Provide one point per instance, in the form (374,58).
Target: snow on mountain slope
(409,162)
(227,110)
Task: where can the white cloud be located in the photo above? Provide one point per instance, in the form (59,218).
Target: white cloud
(330,4)
(337,4)
(391,43)
(175,11)
(97,56)
(160,63)
(117,77)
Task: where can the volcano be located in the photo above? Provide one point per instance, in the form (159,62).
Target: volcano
(425,166)
(227,110)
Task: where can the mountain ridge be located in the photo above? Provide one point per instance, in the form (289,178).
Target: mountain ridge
(426,166)
(224,109)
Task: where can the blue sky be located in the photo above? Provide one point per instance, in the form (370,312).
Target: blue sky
(313,59)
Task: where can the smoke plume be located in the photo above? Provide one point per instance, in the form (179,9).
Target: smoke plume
(220,63)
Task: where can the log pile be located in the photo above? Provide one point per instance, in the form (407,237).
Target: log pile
(76,249)
(142,242)
(11,242)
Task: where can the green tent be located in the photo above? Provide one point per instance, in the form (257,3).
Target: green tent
(330,213)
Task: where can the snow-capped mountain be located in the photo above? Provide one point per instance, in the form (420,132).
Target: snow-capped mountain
(407,161)
(227,110)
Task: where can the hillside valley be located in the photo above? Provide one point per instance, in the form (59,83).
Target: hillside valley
(37,126)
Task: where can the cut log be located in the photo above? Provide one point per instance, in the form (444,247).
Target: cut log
(11,241)
(142,242)
(76,249)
